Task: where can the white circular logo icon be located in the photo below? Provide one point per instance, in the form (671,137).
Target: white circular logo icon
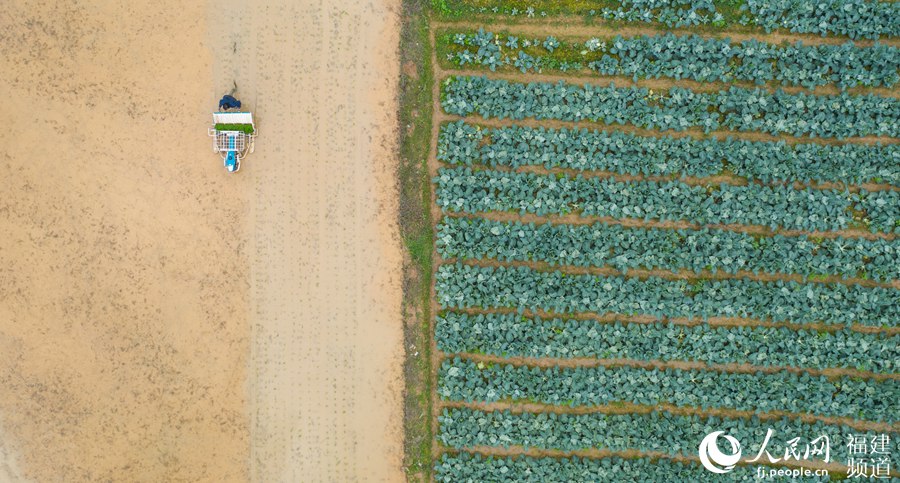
(715,460)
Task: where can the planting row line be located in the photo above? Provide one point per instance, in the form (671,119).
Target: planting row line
(607,245)
(657,432)
(625,153)
(469,191)
(513,335)
(454,468)
(463,286)
(738,109)
(682,57)
(857,19)
(468,381)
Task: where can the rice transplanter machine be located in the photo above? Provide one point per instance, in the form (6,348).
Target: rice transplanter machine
(233,133)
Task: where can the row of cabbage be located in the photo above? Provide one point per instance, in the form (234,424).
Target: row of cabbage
(857,19)
(868,19)
(625,153)
(624,248)
(657,432)
(838,116)
(683,57)
(514,335)
(672,13)
(463,286)
(867,399)
(473,467)
(777,207)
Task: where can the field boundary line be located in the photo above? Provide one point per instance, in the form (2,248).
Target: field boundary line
(433,166)
(414,129)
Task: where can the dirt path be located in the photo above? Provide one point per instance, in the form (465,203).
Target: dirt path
(326,352)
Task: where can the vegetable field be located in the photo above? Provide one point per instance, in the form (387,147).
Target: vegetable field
(660,219)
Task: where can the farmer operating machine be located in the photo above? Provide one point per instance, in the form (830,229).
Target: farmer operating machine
(233,133)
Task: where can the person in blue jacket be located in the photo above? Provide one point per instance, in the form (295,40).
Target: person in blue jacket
(229,102)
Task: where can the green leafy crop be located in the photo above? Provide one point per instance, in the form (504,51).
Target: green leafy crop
(838,116)
(619,152)
(512,335)
(464,380)
(463,286)
(602,245)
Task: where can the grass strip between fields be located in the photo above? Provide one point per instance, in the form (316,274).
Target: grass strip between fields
(415,121)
